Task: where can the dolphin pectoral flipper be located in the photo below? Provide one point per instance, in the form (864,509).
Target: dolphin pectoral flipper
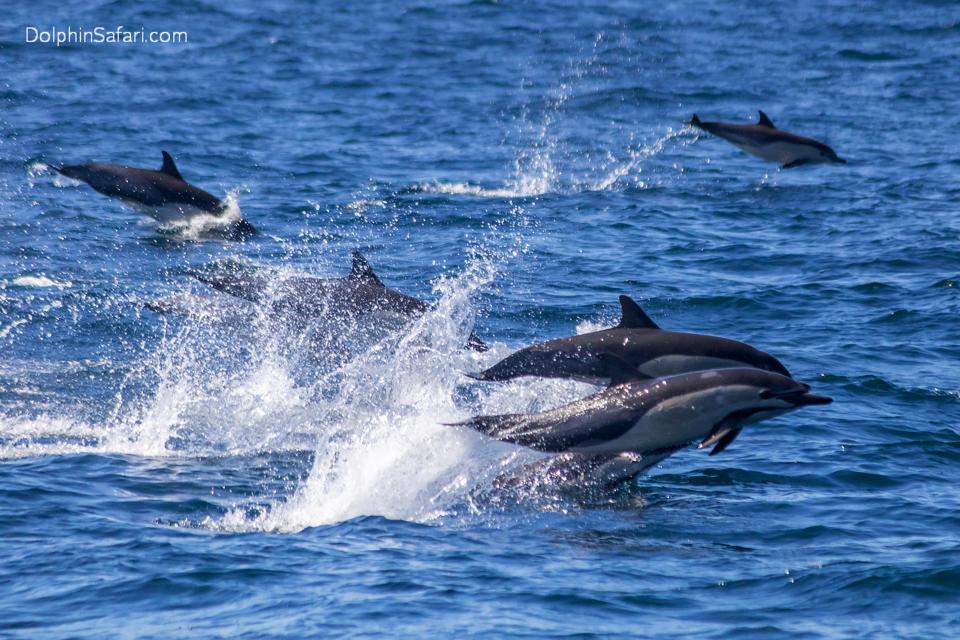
(726,431)
(725,441)
(169,167)
(619,371)
(765,121)
(633,317)
(795,163)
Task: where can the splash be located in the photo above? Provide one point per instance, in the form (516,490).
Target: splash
(203,224)
(526,188)
(233,380)
(635,156)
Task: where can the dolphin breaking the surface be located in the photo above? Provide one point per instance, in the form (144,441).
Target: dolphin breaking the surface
(361,294)
(162,194)
(636,423)
(766,141)
(638,341)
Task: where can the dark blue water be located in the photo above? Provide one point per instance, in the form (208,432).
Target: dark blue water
(201,474)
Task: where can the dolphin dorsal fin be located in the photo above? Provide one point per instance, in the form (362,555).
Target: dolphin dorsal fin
(169,166)
(765,121)
(619,371)
(633,317)
(362,271)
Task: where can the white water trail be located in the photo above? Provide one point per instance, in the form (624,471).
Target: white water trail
(636,155)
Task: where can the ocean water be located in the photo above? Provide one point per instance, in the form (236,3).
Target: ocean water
(210,473)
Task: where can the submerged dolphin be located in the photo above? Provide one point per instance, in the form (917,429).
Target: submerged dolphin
(638,341)
(162,194)
(359,294)
(764,140)
(634,424)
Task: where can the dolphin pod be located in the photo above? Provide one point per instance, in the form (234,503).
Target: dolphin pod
(766,141)
(667,389)
(162,194)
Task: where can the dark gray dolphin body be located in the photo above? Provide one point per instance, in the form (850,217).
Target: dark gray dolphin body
(359,294)
(639,342)
(636,423)
(764,140)
(162,194)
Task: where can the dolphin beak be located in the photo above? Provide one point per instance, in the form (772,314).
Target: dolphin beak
(806,399)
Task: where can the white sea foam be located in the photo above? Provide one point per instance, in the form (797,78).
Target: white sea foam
(40,281)
(468,189)
(198,225)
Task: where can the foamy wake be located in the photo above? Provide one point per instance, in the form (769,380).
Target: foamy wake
(468,189)
(536,172)
(621,169)
(40,281)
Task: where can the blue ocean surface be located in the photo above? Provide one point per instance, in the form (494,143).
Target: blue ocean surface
(209,473)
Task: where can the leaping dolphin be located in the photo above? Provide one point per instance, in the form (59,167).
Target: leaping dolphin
(636,423)
(162,194)
(764,140)
(638,341)
(359,294)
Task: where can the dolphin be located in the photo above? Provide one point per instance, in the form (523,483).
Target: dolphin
(764,140)
(359,294)
(162,194)
(638,341)
(638,423)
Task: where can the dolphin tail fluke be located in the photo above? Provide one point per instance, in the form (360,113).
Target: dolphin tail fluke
(493,426)
(476,344)
(514,428)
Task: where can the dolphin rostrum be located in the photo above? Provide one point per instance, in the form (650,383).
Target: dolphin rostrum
(162,194)
(359,294)
(638,341)
(764,140)
(649,420)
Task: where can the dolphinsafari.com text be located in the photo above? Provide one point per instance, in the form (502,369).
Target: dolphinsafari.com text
(102,35)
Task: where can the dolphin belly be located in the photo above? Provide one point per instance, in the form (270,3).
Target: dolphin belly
(673,423)
(670,365)
(782,152)
(167,212)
